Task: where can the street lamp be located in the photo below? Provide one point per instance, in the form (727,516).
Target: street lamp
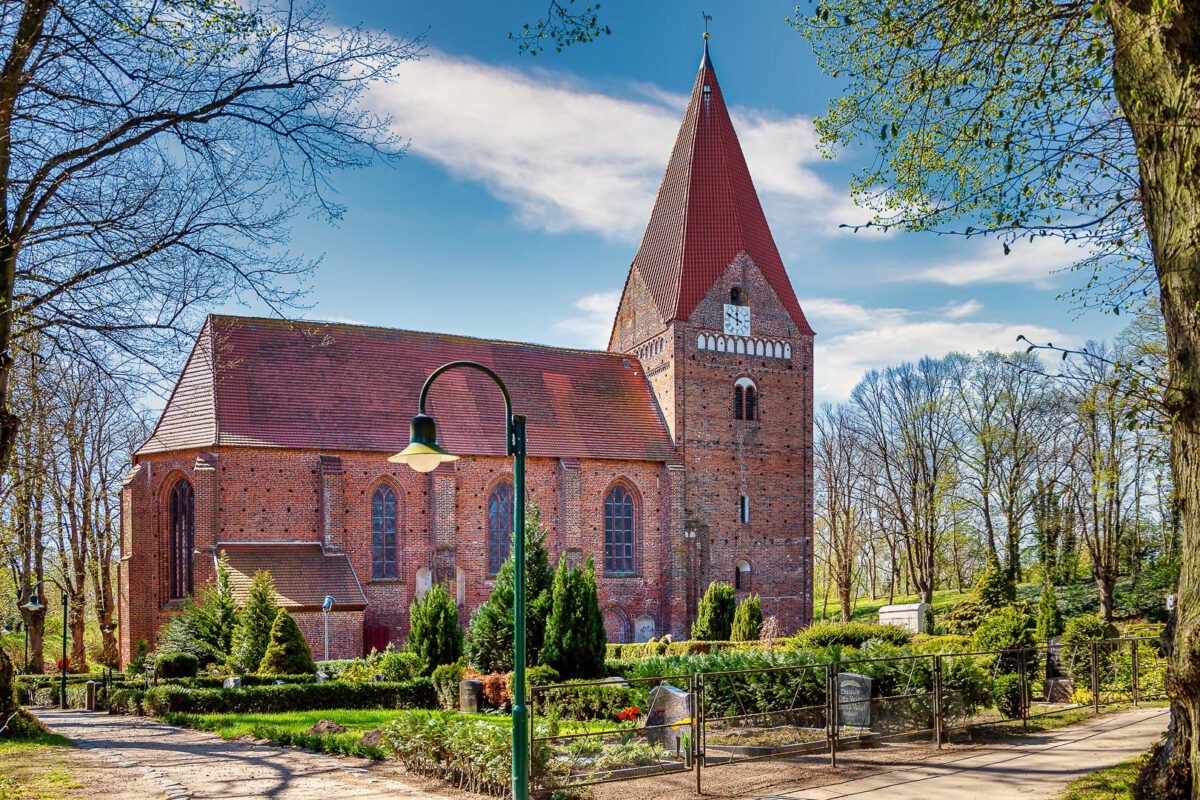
(425,455)
(33,606)
(326,607)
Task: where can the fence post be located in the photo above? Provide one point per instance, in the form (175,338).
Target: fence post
(1133,655)
(1023,686)
(937,700)
(1095,678)
(697,725)
(831,712)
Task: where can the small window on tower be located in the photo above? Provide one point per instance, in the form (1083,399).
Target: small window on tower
(739,407)
(744,509)
(745,399)
(741,576)
(735,296)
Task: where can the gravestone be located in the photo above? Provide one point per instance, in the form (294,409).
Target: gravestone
(89,696)
(470,696)
(320,677)
(231,683)
(643,629)
(854,699)
(668,707)
(914,616)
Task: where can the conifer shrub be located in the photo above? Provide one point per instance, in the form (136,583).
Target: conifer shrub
(446,679)
(287,652)
(434,637)
(1007,629)
(747,620)
(714,618)
(575,637)
(849,634)
(994,589)
(1049,618)
(176,665)
(1006,692)
(253,631)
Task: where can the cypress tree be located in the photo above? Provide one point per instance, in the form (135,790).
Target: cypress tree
(714,619)
(253,631)
(288,652)
(1049,618)
(575,636)
(747,620)
(433,632)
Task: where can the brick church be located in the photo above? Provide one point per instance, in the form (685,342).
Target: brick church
(680,456)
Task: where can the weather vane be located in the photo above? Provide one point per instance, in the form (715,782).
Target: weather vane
(707,19)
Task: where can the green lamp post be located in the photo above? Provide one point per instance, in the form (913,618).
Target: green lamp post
(425,455)
(33,605)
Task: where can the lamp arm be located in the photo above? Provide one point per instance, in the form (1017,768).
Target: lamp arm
(510,443)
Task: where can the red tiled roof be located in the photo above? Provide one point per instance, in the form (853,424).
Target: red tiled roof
(303,574)
(706,212)
(273,383)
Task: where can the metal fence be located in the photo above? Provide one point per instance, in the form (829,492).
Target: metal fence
(811,712)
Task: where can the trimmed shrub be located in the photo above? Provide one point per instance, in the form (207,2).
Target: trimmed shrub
(417,693)
(126,701)
(176,665)
(399,665)
(253,631)
(587,702)
(1049,618)
(1008,628)
(445,683)
(287,653)
(1076,651)
(575,636)
(714,619)
(1006,692)
(849,634)
(433,634)
(542,675)
(747,620)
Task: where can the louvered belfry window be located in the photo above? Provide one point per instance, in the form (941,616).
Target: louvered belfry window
(181,515)
(618,531)
(383,534)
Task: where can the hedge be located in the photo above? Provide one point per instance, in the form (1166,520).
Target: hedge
(417,693)
(218,682)
(587,702)
(689,647)
(849,634)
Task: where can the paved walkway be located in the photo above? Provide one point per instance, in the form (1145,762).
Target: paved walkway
(189,764)
(1031,768)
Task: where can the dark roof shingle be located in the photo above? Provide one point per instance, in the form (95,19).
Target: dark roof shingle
(304,574)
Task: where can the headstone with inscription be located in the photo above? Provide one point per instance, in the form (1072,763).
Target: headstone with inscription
(854,699)
(668,719)
(470,696)
(643,629)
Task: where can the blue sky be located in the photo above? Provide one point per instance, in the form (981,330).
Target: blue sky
(528,182)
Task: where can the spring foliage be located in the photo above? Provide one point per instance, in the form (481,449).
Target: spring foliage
(575,637)
(433,633)
(253,631)
(714,619)
(288,652)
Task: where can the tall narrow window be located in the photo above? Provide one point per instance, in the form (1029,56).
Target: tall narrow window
(744,509)
(383,534)
(741,576)
(739,408)
(499,525)
(618,531)
(745,399)
(751,402)
(181,514)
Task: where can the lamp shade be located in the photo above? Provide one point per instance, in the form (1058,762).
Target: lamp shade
(32,603)
(423,453)
(327,606)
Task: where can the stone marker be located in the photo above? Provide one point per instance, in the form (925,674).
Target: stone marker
(372,738)
(854,699)
(321,677)
(668,706)
(914,616)
(327,726)
(89,696)
(232,683)
(470,696)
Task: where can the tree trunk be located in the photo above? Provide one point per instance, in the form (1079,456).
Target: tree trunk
(35,626)
(1156,68)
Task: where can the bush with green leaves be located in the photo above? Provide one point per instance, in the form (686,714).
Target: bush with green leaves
(1006,629)
(253,631)
(287,652)
(489,640)
(575,637)
(204,626)
(417,693)
(747,620)
(434,637)
(1049,618)
(446,679)
(714,618)
(849,634)
(1075,653)
(1006,692)
(176,665)
(587,701)
(993,588)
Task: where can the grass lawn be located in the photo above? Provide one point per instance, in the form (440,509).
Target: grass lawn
(1114,783)
(864,609)
(37,769)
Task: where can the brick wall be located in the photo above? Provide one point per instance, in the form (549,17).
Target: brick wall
(345,633)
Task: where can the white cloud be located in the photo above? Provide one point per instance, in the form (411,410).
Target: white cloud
(967,308)
(593,324)
(1028,262)
(861,339)
(567,157)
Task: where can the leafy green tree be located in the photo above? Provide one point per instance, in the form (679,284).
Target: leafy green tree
(287,652)
(253,631)
(993,588)
(714,618)
(433,633)
(1049,618)
(1005,629)
(747,620)
(575,636)
(489,642)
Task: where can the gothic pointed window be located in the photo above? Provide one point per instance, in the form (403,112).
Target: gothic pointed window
(618,531)
(383,534)
(181,516)
(499,525)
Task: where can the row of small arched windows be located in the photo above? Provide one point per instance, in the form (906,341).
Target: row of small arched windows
(750,347)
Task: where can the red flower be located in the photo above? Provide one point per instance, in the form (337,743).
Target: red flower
(629,713)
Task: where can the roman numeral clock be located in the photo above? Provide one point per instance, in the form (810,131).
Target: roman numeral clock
(737,320)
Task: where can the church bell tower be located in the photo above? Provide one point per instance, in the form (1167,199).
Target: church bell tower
(709,310)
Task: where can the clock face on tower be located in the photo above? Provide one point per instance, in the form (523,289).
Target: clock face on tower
(737,320)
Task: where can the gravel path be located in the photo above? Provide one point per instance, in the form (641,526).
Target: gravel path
(187,764)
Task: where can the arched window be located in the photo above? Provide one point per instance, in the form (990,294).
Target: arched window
(383,534)
(618,530)
(741,345)
(745,399)
(787,351)
(181,516)
(741,576)
(499,525)
(751,403)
